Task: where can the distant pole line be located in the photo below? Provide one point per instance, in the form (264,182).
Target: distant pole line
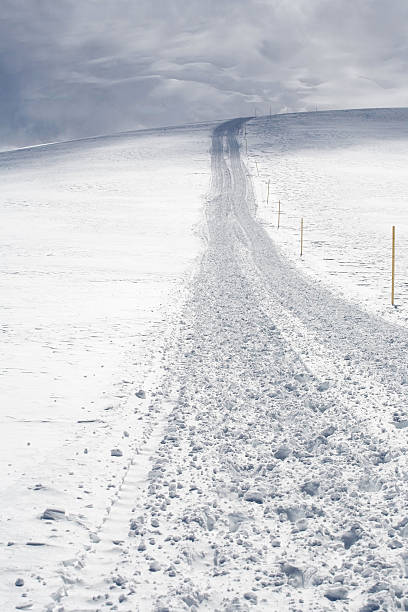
(302,225)
(393,267)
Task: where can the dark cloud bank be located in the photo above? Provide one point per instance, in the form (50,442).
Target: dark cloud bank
(71,68)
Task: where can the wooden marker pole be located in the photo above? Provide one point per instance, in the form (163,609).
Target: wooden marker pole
(278,214)
(267,194)
(257,169)
(301,237)
(393,266)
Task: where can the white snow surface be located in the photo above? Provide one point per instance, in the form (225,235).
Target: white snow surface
(97,238)
(345,173)
(244,446)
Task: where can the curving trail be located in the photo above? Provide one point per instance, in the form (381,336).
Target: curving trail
(278,475)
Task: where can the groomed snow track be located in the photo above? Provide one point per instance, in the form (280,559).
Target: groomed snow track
(279,478)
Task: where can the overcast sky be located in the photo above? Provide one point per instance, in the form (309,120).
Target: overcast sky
(72,68)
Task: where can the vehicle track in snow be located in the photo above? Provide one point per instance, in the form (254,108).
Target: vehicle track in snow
(279,477)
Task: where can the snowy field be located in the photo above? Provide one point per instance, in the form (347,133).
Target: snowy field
(97,240)
(345,173)
(193,417)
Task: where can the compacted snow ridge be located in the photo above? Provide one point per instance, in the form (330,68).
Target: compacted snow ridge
(269,467)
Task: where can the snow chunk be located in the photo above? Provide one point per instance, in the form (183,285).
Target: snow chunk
(282,453)
(350,537)
(251,597)
(311,487)
(254,496)
(154,566)
(336,594)
(53,514)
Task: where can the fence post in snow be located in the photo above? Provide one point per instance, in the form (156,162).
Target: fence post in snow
(246,141)
(301,237)
(267,194)
(393,266)
(257,169)
(278,214)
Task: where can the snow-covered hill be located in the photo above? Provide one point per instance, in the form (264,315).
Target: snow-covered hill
(345,173)
(97,239)
(192,416)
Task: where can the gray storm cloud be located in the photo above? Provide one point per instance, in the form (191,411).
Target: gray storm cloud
(70,69)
